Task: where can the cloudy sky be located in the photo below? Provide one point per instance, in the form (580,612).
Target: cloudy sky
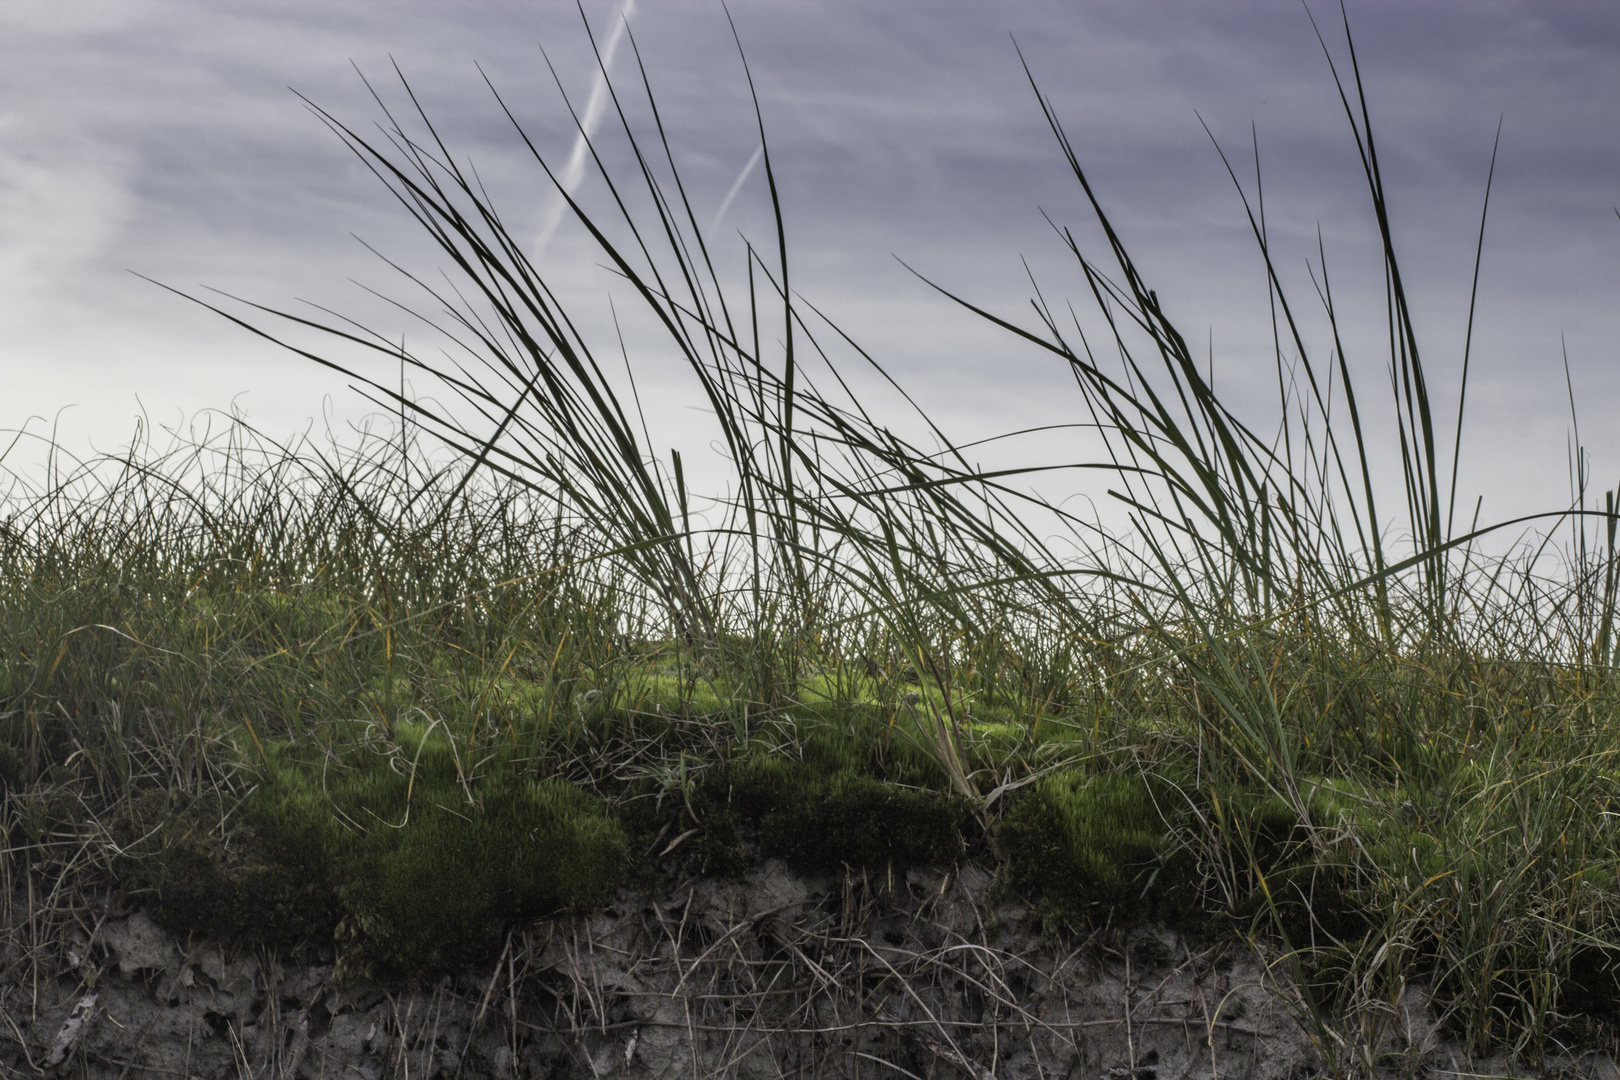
(163,137)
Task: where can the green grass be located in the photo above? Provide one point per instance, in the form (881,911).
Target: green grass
(402,696)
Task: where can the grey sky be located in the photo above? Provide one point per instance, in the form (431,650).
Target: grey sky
(160,136)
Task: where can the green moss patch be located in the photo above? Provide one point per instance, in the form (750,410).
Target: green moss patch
(1286,885)
(416,866)
(270,880)
(821,821)
(1097,847)
(438,892)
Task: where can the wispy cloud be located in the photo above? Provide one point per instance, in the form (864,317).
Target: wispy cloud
(595,106)
(736,186)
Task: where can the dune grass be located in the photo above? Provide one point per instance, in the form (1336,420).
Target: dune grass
(284,692)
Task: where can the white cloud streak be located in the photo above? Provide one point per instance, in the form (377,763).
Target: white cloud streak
(736,186)
(595,106)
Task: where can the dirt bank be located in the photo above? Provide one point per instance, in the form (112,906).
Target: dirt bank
(773,975)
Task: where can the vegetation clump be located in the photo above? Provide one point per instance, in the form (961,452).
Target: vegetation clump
(413,864)
(439,893)
(435,865)
(826,823)
(268,880)
(1101,847)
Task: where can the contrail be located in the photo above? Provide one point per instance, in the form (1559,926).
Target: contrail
(725,204)
(595,106)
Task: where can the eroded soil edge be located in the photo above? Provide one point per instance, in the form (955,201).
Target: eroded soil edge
(770,976)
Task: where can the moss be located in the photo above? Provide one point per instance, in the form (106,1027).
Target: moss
(415,870)
(1309,903)
(866,824)
(438,894)
(761,785)
(998,743)
(868,741)
(721,848)
(1258,828)
(270,881)
(820,815)
(1289,887)
(1592,987)
(1099,847)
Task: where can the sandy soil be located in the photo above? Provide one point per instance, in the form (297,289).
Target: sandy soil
(771,976)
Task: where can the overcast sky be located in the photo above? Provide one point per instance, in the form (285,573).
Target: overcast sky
(163,137)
